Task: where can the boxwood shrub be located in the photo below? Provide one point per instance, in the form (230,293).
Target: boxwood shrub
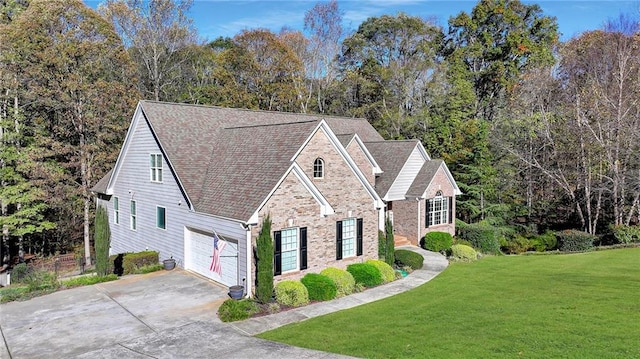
(291,293)
(387,272)
(132,262)
(437,241)
(232,309)
(463,252)
(365,274)
(575,241)
(481,236)
(319,287)
(345,284)
(409,258)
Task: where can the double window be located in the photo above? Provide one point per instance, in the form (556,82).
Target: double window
(116,210)
(133,216)
(155,166)
(349,238)
(290,250)
(438,210)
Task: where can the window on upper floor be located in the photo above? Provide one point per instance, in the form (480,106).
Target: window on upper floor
(438,210)
(290,250)
(116,210)
(318,168)
(161,218)
(155,166)
(348,238)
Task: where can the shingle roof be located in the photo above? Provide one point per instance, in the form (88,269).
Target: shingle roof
(390,156)
(424,178)
(101,186)
(228,160)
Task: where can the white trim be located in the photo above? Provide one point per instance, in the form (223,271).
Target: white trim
(133,217)
(116,212)
(165,218)
(376,168)
(456,190)
(248,283)
(152,168)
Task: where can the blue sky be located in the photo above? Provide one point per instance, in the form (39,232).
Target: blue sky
(215,18)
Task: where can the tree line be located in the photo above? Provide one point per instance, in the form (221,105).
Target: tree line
(537,132)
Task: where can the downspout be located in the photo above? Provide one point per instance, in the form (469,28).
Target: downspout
(248,283)
(418,203)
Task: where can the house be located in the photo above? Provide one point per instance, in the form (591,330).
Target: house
(190,178)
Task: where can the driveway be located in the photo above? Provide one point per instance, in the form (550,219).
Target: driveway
(166,314)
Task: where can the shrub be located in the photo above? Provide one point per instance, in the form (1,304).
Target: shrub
(365,274)
(88,280)
(387,272)
(319,287)
(515,245)
(544,242)
(409,258)
(575,241)
(345,284)
(390,247)
(19,272)
(102,238)
(482,237)
(437,241)
(291,293)
(134,261)
(463,252)
(232,310)
(382,244)
(626,234)
(41,280)
(149,268)
(264,265)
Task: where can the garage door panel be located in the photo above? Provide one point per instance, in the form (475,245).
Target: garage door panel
(201,256)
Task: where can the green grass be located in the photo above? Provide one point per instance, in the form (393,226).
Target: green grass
(566,306)
(87,280)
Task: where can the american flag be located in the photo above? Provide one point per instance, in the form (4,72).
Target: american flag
(218,246)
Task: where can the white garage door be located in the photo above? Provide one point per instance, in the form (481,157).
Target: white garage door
(199,257)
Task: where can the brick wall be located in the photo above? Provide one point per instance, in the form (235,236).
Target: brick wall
(440,183)
(362,162)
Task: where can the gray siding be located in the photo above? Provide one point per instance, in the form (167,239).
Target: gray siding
(406,176)
(132,182)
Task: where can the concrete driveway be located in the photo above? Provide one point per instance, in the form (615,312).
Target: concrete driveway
(166,314)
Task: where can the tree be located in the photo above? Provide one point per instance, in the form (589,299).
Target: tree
(102,238)
(264,265)
(389,256)
(157,33)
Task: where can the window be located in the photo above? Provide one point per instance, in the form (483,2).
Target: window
(438,210)
(290,250)
(132,219)
(349,238)
(155,164)
(116,210)
(161,218)
(318,168)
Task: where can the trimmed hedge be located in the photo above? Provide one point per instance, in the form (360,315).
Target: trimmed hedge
(291,293)
(409,258)
(133,262)
(437,241)
(345,284)
(575,241)
(387,272)
(365,274)
(232,310)
(482,237)
(319,287)
(463,252)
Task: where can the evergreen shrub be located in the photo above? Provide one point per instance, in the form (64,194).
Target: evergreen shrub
(463,252)
(482,237)
(232,310)
(409,258)
(575,241)
(544,242)
(626,234)
(264,265)
(515,245)
(387,272)
(365,274)
(132,262)
(19,272)
(319,287)
(345,284)
(102,238)
(437,241)
(291,293)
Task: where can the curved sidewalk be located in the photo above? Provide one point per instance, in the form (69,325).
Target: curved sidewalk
(434,264)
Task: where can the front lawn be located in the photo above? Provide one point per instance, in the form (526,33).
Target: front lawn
(571,306)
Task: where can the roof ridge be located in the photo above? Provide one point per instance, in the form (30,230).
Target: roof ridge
(269,124)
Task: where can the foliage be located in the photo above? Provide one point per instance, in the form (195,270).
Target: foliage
(291,293)
(482,237)
(264,263)
(575,241)
(19,272)
(626,234)
(149,268)
(515,245)
(102,239)
(319,287)
(132,262)
(437,241)
(40,280)
(382,244)
(409,258)
(390,247)
(365,274)
(387,272)
(87,280)
(345,284)
(462,252)
(594,292)
(232,310)
(544,242)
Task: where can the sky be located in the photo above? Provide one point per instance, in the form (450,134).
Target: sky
(214,18)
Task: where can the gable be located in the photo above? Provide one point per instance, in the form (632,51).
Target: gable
(433,176)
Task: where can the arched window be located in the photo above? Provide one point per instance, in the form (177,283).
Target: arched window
(318,168)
